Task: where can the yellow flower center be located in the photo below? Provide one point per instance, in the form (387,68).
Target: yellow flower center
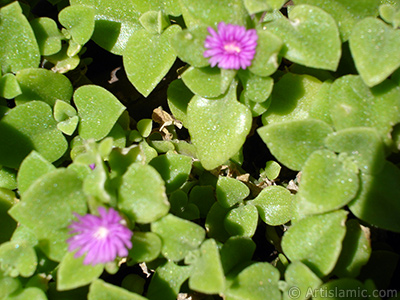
(232,48)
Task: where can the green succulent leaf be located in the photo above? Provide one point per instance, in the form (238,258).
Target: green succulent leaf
(173,168)
(208,82)
(255,6)
(179,236)
(189,45)
(356,250)
(72,273)
(316,241)
(167,280)
(363,145)
(18,47)
(47,209)
(47,34)
(146,246)
(31,169)
(98,111)
(292,142)
(115,22)
(236,251)
(18,258)
(29,127)
(346,13)
(258,281)
(9,87)
(42,84)
(266,60)
(326,184)
(142,194)
(312,26)
(148,57)
(353,104)
(228,11)
(242,221)
(301,279)
(178,96)
(377,189)
(275,205)
(207,274)
(218,127)
(296,103)
(374,45)
(230,191)
(154,21)
(79,21)
(100,289)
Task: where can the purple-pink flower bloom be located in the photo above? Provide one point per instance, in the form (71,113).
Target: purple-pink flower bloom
(102,238)
(232,47)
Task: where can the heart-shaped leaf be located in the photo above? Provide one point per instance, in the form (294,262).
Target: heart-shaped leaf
(100,289)
(242,221)
(353,104)
(146,246)
(230,191)
(207,273)
(148,57)
(309,25)
(18,46)
(9,87)
(208,82)
(198,12)
(300,280)
(295,103)
(79,21)
(275,205)
(189,45)
(179,236)
(346,13)
(166,281)
(293,142)
(45,85)
(98,110)
(154,21)
(173,168)
(18,258)
(377,189)
(218,127)
(255,6)
(29,127)
(142,194)
(47,34)
(266,60)
(72,273)
(326,184)
(169,7)
(32,168)
(47,209)
(362,144)
(178,96)
(235,251)
(115,22)
(257,282)
(374,46)
(316,241)
(356,250)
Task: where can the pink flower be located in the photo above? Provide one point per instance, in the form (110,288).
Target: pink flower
(102,238)
(232,47)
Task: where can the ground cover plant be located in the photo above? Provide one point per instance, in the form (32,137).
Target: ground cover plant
(199,149)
